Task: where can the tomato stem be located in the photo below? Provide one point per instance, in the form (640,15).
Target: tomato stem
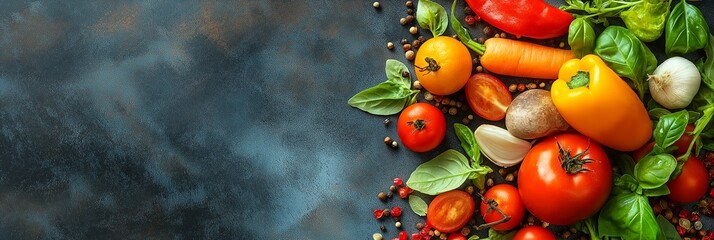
(433,66)
(492,205)
(418,124)
(573,164)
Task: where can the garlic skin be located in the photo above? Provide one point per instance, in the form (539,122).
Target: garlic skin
(499,146)
(674,83)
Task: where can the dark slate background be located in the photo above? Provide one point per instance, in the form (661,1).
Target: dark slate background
(210,119)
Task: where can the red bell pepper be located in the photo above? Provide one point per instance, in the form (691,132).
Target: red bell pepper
(529,18)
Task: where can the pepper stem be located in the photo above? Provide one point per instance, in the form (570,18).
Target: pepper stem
(432,67)
(573,164)
(580,79)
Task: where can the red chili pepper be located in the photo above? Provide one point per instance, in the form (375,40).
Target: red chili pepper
(529,18)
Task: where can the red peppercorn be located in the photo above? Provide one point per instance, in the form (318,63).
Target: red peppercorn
(477,18)
(694,217)
(404,192)
(416,236)
(681,231)
(403,235)
(378,214)
(684,214)
(470,20)
(711,192)
(397,181)
(396,211)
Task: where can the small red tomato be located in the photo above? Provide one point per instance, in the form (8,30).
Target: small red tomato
(509,201)
(534,233)
(450,211)
(487,96)
(691,184)
(421,127)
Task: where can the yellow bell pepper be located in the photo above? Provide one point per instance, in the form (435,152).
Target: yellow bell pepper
(599,104)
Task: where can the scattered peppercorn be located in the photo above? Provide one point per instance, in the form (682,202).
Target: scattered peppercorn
(396,211)
(387,122)
(513,87)
(428,96)
(382,227)
(510,177)
(386,212)
(501,171)
(489,182)
(394,144)
(521,87)
(561,45)
(410,11)
(397,181)
(407,47)
(468,11)
(398,224)
(375,4)
(405,74)
(413,30)
(541,85)
(403,21)
(417,84)
(377,236)
(470,190)
(390,45)
(378,213)
(392,188)
(419,225)
(409,4)
(388,141)
(404,41)
(409,18)
(409,55)
(382,196)
(470,20)
(488,31)
(531,86)
(479,69)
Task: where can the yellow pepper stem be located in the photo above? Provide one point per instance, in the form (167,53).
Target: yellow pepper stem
(580,79)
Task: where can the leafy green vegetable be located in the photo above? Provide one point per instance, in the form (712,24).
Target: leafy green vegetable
(588,226)
(655,192)
(707,66)
(432,16)
(657,113)
(626,55)
(647,19)
(388,97)
(668,230)
(625,163)
(473,237)
(445,172)
(418,205)
(463,34)
(598,10)
(468,142)
(670,128)
(496,235)
(629,216)
(581,37)
(686,31)
(654,171)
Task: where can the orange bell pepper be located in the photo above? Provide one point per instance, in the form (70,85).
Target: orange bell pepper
(599,104)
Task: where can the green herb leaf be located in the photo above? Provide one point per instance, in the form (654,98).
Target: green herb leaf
(394,70)
(656,113)
(432,16)
(445,172)
(628,216)
(670,128)
(706,68)
(473,237)
(497,235)
(468,142)
(418,205)
(625,184)
(625,163)
(655,192)
(647,19)
(654,171)
(463,34)
(626,55)
(686,30)
(386,98)
(668,230)
(581,37)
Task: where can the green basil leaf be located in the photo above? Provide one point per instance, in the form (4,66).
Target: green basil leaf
(670,128)
(625,184)
(394,70)
(418,205)
(497,235)
(463,34)
(686,30)
(432,16)
(703,98)
(386,98)
(480,182)
(468,142)
(647,19)
(654,171)
(625,163)
(445,172)
(581,37)
(694,116)
(656,113)
(473,237)
(656,192)
(668,230)
(707,66)
(707,144)
(628,216)
(626,55)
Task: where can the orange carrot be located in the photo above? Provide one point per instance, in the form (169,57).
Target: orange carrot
(522,59)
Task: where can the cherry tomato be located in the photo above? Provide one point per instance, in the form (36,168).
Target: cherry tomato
(456,236)
(487,96)
(565,191)
(644,150)
(442,65)
(691,184)
(534,233)
(683,142)
(421,127)
(509,201)
(450,211)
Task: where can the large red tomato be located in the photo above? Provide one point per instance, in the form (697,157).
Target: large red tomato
(421,127)
(691,184)
(509,201)
(565,178)
(450,211)
(487,96)
(534,233)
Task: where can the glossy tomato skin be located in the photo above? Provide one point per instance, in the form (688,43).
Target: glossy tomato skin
(509,201)
(556,196)
(456,236)
(453,59)
(487,96)
(534,233)
(421,127)
(691,184)
(683,142)
(450,211)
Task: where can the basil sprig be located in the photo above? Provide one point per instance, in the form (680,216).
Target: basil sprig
(418,205)
(581,37)
(432,16)
(390,96)
(686,30)
(626,55)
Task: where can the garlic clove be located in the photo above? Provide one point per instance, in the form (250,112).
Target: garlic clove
(500,146)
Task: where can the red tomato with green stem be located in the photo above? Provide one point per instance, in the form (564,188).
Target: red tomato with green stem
(565,178)
(421,127)
(450,211)
(487,96)
(508,201)
(691,184)
(534,233)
